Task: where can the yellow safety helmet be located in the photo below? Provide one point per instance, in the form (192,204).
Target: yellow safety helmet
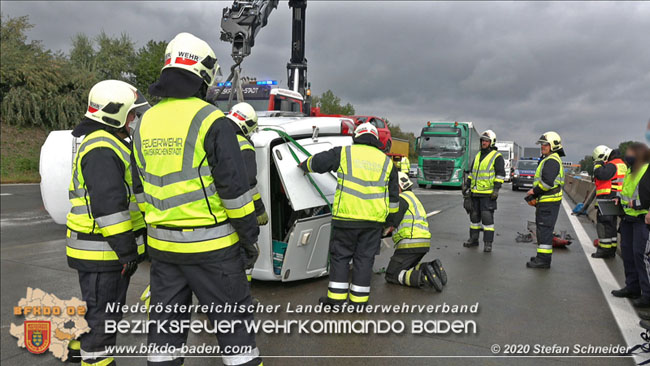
(366,128)
(489,135)
(110,101)
(552,138)
(193,54)
(243,114)
(601,153)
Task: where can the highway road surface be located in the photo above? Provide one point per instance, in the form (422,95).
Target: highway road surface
(546,310)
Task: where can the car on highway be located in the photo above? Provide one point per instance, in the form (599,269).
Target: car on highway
(382,127)
(413,170)
(523,174)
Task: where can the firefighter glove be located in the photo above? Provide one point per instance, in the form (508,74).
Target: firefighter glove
(128,269)
(252,251)
(263,219)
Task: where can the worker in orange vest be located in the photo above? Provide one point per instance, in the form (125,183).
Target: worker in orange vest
(609,171)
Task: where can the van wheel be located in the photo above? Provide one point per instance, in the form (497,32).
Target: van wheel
(423,186)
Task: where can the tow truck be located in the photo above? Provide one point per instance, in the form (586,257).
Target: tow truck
(295,243)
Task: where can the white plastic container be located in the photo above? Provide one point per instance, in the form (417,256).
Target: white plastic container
(55,167)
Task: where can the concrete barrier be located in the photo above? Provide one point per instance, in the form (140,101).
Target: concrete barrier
(578,189)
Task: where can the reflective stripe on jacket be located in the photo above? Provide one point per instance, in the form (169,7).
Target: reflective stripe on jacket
(630,193)
(80,219)
(183,209)
(483,174)
(362,190)
(413,230)
(606,187)
(551,193)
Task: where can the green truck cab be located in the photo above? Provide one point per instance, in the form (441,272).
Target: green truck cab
(445,151)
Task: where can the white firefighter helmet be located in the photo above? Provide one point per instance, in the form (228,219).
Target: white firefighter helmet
(243,114)
(366,128)
(601,153)
(404,181)
(110,101)
(489,135)
(193,54)
(552,138)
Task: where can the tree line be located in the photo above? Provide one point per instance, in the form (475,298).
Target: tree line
(40,87)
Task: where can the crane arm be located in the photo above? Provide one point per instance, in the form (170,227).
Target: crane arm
(242,21)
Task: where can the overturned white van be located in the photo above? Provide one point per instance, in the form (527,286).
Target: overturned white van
(294,245)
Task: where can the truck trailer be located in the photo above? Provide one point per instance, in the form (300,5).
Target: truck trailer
(511,153)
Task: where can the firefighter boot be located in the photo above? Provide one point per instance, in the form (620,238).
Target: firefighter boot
(604,253)
(537,262)
(74,351)
(328,303)
(440,270)
(471,243)
(431,277)
(487,246)
(473,237)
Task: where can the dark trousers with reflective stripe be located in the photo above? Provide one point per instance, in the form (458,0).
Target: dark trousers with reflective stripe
(97,290)
(360,245)
(215,282)
(545,217)
(606,228)
(407,262)
(635,250)
(482,211)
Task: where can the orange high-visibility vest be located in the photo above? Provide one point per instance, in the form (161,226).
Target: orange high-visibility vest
(605,187)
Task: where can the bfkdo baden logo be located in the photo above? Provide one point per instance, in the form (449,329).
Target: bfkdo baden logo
(38,334)
(49,323)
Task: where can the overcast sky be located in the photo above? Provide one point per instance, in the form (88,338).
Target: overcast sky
(581,69)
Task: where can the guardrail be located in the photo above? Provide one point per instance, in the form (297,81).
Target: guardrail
(578,189)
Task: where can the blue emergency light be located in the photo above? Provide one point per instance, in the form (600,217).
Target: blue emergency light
(227,84)
(267,82)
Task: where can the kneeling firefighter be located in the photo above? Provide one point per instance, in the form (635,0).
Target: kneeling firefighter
(609,172)
(105,228)
(481,191)
(244,118)
(199,209)
(546,196)
(412,241)
(367,192)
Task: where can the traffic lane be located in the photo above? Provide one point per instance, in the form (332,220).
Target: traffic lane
(44,265)
(517,305)
(22,267)
(23,218)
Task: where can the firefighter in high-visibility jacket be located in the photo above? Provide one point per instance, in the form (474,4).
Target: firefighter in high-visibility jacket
(481,191)
(244,121)
(405,165)
(609,172)
(198,206)
(634,198)
(105,228)
(546,196)
(412,241)
(367,191)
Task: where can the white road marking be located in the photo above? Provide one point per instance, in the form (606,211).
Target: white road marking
(433,213)
(624,314)
(6,194)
